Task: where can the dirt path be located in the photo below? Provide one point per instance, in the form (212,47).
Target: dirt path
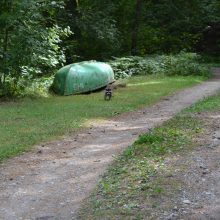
(52,181)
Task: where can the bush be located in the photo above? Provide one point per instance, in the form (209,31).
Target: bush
(26,87)
(39,87)
(125,66)
(183,64)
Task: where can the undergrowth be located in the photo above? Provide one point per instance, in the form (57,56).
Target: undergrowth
(182,64)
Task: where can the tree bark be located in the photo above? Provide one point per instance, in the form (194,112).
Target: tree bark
(135,27)
(5,47)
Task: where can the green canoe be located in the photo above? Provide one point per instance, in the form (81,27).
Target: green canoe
(82,77)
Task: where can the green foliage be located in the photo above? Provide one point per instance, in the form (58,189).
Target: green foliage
(183,64)
(39,87)
(163,27)
(95,29)
(125,66)
(30,43)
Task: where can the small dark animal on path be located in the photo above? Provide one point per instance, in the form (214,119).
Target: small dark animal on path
(108,93)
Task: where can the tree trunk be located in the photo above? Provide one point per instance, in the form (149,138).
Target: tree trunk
(5,49)
(5,46)
(135,27)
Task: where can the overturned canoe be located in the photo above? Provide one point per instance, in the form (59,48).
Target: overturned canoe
(82,77)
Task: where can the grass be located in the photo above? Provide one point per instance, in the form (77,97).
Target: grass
(31,121)
(209,104)
(126,189)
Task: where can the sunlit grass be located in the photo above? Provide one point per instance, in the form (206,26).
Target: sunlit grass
(28,122)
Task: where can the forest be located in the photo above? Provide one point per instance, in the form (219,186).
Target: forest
(37,37)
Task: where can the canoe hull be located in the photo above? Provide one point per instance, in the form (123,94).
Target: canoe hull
(82,77)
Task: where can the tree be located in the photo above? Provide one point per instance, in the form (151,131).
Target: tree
(30,43)
(135,28)
(97,28)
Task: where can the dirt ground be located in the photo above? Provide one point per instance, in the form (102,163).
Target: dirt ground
(193,191)
(51,181)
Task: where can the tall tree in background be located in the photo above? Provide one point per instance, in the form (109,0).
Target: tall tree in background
(97,29)
(210,42)
(135,28)
(138,27)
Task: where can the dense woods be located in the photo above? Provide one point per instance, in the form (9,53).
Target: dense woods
(39,36)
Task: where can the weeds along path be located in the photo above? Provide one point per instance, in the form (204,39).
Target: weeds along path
(52,181)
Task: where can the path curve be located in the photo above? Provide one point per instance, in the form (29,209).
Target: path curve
(52,181)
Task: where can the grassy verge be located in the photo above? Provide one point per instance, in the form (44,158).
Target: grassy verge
(28,122)
(207,105)
(131,182)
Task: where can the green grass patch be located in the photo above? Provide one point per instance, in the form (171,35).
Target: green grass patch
(30,121)
(209,104)
(131,181)
(211,65)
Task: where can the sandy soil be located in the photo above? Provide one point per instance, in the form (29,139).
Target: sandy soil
(52,181)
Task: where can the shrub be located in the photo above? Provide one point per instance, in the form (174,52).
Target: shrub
(181,64)
(125,66)
(39,87)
